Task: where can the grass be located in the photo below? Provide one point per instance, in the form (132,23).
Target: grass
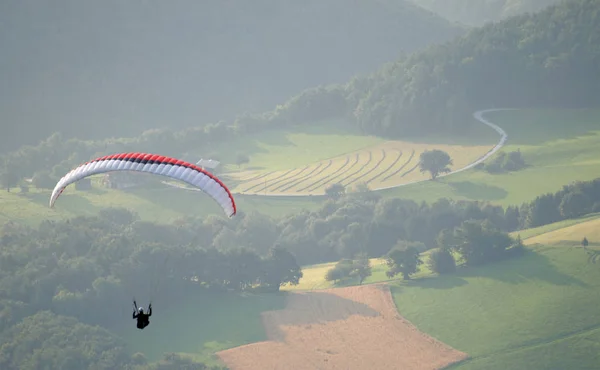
(571,234)
(276,150)
(516,314)
(529,234)
(560,146)
(204,325)
(314,275)
(162,205)
(373,164)
(537,311)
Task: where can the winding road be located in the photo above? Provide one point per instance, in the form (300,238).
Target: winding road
(477,115)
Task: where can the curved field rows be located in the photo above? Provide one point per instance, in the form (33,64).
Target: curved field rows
(345,328)
(364,161)
(391,171)
(296,182)
(274,182)
(401,167)
(375,166)
(388,164)
(350,162)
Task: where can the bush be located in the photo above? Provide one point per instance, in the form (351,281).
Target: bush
(441,261)
(505,162)
(43,180)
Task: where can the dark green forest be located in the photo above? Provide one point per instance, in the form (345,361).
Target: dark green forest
(115,68)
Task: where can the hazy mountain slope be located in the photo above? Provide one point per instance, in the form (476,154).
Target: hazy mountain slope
(477,12)
(549,59)
(104,68)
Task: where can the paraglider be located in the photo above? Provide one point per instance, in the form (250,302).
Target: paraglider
(143,319)
(154,164)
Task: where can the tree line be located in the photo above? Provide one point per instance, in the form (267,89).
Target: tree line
(67,279)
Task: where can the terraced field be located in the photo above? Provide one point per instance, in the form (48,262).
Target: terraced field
(384,165)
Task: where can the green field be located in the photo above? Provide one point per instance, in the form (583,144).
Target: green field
(560,146)
(529,234)
(537,311)
(203,326)
(162,205)
(519,314)
(275,150)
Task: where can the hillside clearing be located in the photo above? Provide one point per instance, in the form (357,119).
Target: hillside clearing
(530,233)
(383,165)
(521,305)
(570,235)
(559,145)
(349,328)
(163,205)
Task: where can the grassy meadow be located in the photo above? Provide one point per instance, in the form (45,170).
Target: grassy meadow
(314,276)
(537,311)
(163,204)
(276,151)
(379,166)
(560,146)
(206,324)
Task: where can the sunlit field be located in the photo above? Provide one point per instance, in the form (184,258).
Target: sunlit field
(536,311)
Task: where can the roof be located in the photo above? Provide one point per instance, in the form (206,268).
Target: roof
(208,163)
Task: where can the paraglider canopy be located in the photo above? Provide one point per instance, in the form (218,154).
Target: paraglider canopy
(153,164)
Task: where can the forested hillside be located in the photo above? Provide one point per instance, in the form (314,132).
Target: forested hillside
(549,59)
(478,12)
(114,68)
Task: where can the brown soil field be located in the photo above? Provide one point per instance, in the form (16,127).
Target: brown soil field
(343,328)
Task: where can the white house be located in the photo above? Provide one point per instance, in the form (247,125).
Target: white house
(208,163)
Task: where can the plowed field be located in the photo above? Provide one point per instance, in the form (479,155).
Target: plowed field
(344,328)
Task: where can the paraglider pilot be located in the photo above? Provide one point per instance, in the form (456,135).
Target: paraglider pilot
(142,318)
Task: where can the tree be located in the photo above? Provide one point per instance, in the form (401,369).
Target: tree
(435,162)
(478,242)
(43,180)
(9,174)
(361,267)
(574,204)
(403,259)
(241,159)
(335,191)
(280,268)
(340,271)
(441,261)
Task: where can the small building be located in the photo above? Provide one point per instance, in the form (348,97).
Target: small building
(210,164)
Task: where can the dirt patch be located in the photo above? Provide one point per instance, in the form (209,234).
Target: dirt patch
(344,328)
